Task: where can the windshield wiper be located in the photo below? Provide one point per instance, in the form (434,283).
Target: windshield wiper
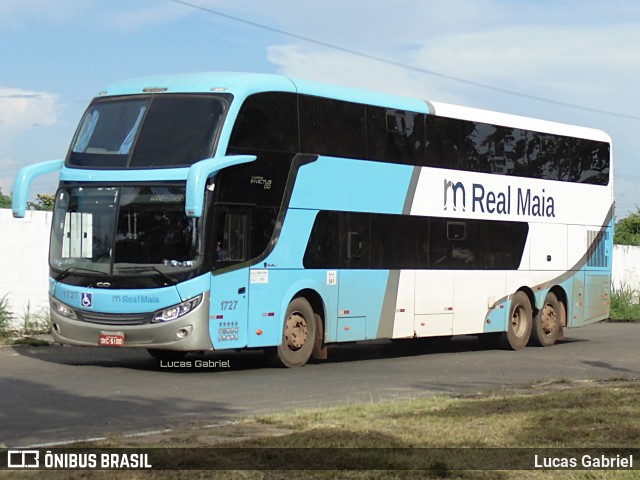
(167,278)
(69,270)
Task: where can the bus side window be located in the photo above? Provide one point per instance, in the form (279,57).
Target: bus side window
(354,245)
(461,253)
(232,236)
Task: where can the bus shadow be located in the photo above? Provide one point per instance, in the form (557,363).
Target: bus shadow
(255,359)
(387,349)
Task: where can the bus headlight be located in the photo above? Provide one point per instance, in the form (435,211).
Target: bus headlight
(62,309)
(177,311)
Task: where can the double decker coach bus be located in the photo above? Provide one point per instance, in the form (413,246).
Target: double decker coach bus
(232,211)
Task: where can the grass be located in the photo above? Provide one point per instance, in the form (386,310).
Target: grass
(6,317)
(624,306)
(32,323)
(557,415)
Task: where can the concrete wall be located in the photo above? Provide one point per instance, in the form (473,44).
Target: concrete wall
(626,268)
(24,267)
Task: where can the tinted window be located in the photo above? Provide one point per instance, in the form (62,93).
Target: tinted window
(332,127)
(412,242)
(178,130)
(267,121)
(242,233)
(399,241)
(148,131)
(480,147)
(476,244)
(261,182)
(395,136)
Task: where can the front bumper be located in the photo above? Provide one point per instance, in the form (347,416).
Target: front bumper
(187,333)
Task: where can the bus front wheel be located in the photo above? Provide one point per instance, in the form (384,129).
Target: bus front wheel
(519,323)
(298,335)
(547,324)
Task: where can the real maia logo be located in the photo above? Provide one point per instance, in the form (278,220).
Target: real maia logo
(525,201)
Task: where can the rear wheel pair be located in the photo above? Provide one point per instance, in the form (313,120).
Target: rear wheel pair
(523,328)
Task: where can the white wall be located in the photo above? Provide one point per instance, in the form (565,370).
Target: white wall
(24,265)
(626,268)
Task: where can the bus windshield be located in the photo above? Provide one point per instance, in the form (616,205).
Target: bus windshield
(121,230)
(148,131)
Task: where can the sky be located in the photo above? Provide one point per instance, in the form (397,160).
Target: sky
(571,61)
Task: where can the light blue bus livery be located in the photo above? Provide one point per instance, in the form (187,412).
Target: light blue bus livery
(231,211)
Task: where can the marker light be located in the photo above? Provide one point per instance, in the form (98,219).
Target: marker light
(177,311)
(155,89)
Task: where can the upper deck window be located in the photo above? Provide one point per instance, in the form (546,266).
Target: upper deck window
(148,131)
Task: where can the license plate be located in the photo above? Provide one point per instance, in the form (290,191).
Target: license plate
(111,339)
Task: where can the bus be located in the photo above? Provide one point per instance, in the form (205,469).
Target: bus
(221,211)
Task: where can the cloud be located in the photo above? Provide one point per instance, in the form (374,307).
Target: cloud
(22,109)
(548,54)
(565,63)
(8,167)
(15,12)
(338,68)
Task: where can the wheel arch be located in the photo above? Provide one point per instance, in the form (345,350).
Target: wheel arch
(314,299)
(562,297)
(528,291)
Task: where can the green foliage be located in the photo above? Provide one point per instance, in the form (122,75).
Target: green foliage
(623,303)
(627,231)
(35,323)
(5,200)
(44,202)
(5,317)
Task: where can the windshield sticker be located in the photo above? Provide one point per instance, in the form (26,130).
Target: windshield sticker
(87,300)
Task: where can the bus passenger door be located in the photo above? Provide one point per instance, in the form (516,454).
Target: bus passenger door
(434,303)
(228,310)
(230,290)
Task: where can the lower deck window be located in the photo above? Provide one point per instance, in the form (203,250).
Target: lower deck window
(380,241)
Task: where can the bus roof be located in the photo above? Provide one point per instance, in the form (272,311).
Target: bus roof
(516,121)
(242,85)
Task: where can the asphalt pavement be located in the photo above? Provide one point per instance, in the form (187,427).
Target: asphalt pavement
(55,394)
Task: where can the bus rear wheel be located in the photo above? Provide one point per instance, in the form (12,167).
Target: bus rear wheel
(547,324)
(519,323)
(298,335)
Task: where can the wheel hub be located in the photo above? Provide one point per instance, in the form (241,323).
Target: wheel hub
(549,319)
(295,331)
(518,320)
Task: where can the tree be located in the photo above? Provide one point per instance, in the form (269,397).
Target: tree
(627,231)
(45,201)
(5,200)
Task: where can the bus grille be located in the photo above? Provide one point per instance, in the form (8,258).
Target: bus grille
(597,248)
(115,319)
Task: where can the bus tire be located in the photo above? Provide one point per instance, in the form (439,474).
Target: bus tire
(519,323)
(298,334)
(168,355)
(319,347)
(547,324)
